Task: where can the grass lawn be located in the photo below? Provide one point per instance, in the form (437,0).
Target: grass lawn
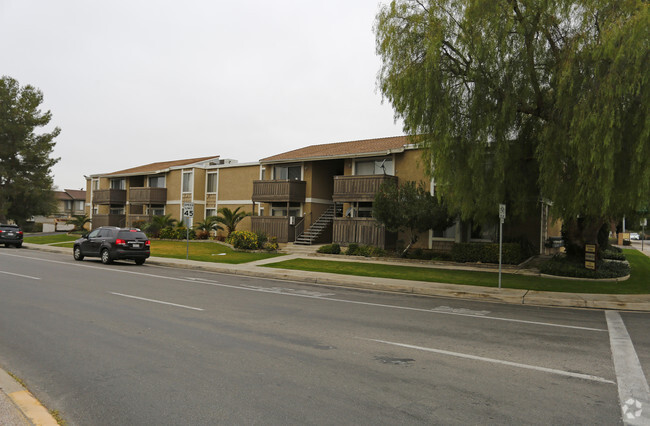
(638,283)
(205,251)
(51,239)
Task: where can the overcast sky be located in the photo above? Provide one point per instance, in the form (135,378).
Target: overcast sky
(134,82)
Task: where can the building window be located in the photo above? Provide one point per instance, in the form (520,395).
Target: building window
(364,209)
(280,209)
(382,166)
(210,212)
(118,183)
(448,234)
(80,205)
(212,182)
(95,184)
(156,181)
(287,172)
(118,210)
(187,181)
(156,210)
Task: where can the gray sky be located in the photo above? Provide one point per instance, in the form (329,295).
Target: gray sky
(134,82)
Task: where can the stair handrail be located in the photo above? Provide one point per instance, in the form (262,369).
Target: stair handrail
(299,228)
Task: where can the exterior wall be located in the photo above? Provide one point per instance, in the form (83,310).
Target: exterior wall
(408,166)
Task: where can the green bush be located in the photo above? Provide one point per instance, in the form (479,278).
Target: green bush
(270,245)
(330,249)
(426,254)
(176,234)
(243,240)
(363,250)
(487,253)
(565,267)
(202,234)
(613,253)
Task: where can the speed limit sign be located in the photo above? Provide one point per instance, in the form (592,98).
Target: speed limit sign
(188,209)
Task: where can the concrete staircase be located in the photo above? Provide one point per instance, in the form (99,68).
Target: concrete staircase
(317,228)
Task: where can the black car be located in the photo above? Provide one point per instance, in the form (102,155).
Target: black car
(110,243)
(11,235)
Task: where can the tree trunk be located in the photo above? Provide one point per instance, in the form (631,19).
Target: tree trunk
(579,232)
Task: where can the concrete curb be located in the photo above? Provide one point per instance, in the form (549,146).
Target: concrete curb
(29,410)
(632,302)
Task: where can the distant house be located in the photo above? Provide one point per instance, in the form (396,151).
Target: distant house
(69,203)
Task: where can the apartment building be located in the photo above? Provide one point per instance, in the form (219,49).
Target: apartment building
(69,203)
(133,196)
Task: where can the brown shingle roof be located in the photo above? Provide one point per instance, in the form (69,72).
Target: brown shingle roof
(342,149)
(76,194)
(161,166)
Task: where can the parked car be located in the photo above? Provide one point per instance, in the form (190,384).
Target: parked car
(11,235)
(634,236)
(111,243)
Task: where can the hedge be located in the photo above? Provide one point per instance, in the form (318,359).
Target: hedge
(486,253)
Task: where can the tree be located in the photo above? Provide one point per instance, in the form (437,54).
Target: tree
(25,162)
(231,218)
(409,208)
(79,221)
(516,101)
(209,224)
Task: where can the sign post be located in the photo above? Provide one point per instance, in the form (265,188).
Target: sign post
(644,223)
(590,256)
(502,217)
(188,212)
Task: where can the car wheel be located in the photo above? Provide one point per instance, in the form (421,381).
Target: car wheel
(139,261)
(106,257)
(76,253)
(7,245)
(19,245)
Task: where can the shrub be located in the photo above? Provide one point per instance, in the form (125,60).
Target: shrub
(362,250)
(486,253)
(565,267)
(243,240)
(352,250)
(330,249)
(613,253)
(271,244)
(262,238)
(176,234)
(426,254)
(202,234)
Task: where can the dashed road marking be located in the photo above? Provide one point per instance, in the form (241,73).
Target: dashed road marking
(157,301)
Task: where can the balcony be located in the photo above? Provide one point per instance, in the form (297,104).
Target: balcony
(274,226)
(358,188)
(109,196)
(270,191)
(108,220)
(361,230)
(148,195)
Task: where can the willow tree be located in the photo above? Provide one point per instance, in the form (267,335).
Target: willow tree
(521,100)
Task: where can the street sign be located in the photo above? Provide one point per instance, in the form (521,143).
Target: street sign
(502,217)
(644,222)
(188,209)
(502,211)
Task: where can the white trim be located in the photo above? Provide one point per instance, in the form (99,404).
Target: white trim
(318,201)
(173,202)
(231,202)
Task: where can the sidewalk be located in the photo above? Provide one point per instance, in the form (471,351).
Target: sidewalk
(18,407)
(634,302)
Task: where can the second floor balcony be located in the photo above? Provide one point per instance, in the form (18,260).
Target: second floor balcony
(147,195)
(270,191)
(109,196)
(358,188)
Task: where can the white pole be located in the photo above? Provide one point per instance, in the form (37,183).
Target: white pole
(500,248)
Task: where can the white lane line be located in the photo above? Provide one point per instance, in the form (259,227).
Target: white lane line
(498,361)
(157,301)
(379,305)
(19,275)
(633,391)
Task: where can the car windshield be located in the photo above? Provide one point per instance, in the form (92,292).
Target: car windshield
(131,235)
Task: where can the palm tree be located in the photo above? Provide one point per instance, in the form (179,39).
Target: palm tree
(79,221)
(159,223)
(231,218)
(209,224)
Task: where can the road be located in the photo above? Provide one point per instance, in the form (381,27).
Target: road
(127,344)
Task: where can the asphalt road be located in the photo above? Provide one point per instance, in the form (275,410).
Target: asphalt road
(127,344)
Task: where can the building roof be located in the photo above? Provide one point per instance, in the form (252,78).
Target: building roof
(70,194)
(343,149)
(160,167)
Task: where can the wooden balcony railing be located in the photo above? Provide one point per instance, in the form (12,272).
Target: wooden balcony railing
(108,220)
(269,191)
(274,226)
(109,196)
(360,230)
(358,188)
(148,195)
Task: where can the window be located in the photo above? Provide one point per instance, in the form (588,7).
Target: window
(280,209)
(449,233)
(119,210)
(67,204)
(156,181)
(210,212)
(287,172)
(118,183)
(187,181)
(156,210)
(80,205)
(364,209)
(212,182)
(95,184)
(382,166)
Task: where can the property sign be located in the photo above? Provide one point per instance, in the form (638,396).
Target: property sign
(502,211)
(590,256)
(188,209)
